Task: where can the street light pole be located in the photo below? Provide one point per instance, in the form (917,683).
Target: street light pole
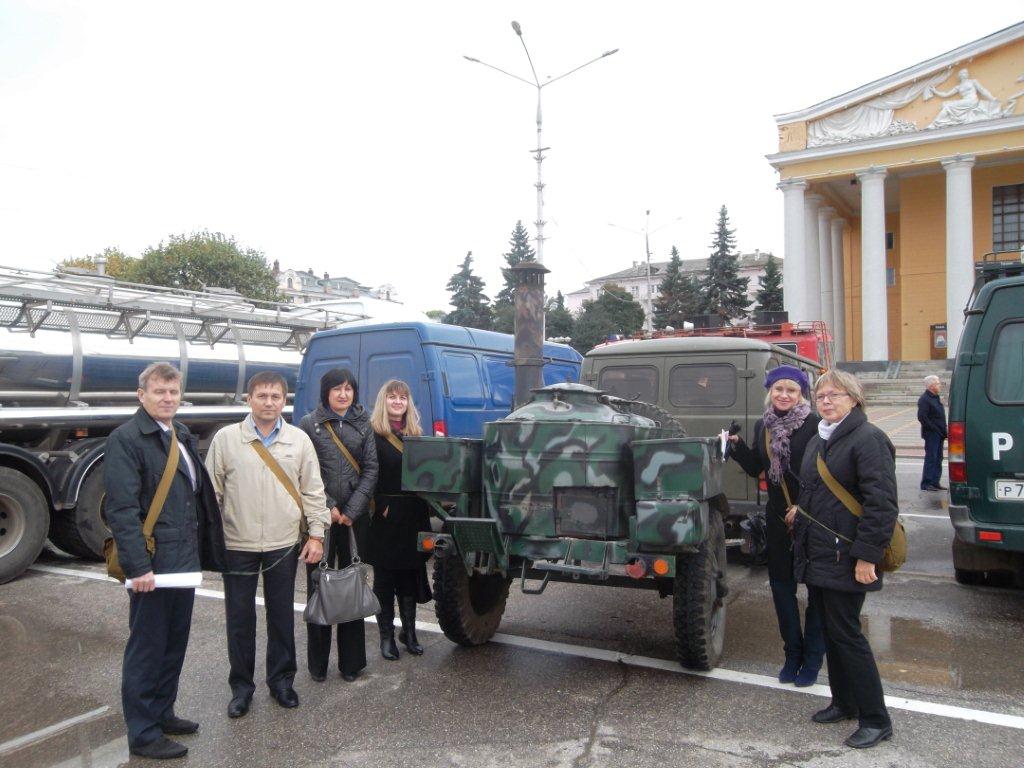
(538,153)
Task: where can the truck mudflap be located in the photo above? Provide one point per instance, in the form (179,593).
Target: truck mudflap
(476,540)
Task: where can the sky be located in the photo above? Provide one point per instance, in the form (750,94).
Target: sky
(355,139)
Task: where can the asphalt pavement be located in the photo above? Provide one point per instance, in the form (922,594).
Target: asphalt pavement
(579,676)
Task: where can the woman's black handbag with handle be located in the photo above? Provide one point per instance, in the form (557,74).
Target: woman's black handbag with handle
(341,595)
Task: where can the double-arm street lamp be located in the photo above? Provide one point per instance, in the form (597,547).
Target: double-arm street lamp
(538,153)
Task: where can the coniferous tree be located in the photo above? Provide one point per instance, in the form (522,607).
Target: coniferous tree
(504,303)
(770,294)
(615,311)
(472,307)
(679,296)
(723,291)
(558,321)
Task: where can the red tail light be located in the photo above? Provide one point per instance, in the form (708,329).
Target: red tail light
(990,536)
(440,429)
(762,483)
(957,452)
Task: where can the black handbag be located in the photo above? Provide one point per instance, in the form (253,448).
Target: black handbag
(341,595)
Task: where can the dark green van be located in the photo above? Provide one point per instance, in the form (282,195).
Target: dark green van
(706,382)
(986,434)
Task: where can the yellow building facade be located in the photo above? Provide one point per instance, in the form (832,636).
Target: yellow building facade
(893,190)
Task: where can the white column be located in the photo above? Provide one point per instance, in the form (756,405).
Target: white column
(812,268)
(793,277)
(959,246)
(874,306)
(825,215)
(838,289)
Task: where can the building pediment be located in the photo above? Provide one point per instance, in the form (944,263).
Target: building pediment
(977,83)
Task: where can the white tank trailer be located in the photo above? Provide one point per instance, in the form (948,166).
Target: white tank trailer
(72,347)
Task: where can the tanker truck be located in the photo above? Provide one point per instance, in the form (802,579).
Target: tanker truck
(71,350)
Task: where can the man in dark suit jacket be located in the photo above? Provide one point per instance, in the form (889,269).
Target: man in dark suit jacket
(189,537)
(932,416)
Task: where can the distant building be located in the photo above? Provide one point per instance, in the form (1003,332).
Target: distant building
(634,279)
(303,286)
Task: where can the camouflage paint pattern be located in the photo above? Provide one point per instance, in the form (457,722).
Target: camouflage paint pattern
(670,525)
(441,465)
(677,467)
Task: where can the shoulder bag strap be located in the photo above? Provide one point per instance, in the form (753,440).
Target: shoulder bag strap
(851,504)
(164,487)
(279,473)
(341,447)
(785,486)
(395,442)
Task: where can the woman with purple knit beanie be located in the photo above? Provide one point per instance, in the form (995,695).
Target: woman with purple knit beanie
(780,438)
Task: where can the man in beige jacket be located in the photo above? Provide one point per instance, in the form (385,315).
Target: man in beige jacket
(262,524)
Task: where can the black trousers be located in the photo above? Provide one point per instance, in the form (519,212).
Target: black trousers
(931,474)
(806,646)
(389,583)
(852,672)
(351,634)
(240,612)
(159,624)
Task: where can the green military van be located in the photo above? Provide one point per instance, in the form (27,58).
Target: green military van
(706,382)
(986,431)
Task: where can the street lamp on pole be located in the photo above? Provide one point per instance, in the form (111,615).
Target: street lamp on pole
(538,153)
(648,302)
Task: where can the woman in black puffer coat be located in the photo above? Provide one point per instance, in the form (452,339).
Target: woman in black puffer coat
(836,553)
(349,491)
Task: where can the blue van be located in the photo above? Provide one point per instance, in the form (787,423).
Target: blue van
(460,377)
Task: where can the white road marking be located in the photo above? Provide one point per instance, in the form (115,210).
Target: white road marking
(646,662)
(921,514)
(44,733)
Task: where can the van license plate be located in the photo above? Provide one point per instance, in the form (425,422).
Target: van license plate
(1010,489)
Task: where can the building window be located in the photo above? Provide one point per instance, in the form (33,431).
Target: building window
(890,241)
(890,276)
(1006,217)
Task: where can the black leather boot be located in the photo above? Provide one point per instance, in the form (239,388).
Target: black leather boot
(407,610)
(386,625)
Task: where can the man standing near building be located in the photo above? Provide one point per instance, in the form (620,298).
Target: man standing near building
(267,479)
(932,416)
(188,537)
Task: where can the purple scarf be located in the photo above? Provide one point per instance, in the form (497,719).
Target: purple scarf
(780,427)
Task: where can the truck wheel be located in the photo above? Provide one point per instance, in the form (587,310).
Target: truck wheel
(698,602)
(469,608)
(80,531)
(24,521)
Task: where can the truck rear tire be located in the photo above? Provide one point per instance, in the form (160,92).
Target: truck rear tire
(976,566)
(24,521)
(698,601)
(80,531)
(469,608)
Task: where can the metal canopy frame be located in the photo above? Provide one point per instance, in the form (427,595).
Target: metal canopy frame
(47,299)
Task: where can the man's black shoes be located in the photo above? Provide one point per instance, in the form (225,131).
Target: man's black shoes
(178,726)
(160,749)
(286,697)
(239,706)
(865,737)
(349,677)
(833,713)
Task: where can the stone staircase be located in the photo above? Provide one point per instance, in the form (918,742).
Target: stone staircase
(902,382)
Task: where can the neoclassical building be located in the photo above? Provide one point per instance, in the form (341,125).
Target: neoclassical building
(893,190)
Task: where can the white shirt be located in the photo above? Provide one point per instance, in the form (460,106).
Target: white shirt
(184,453)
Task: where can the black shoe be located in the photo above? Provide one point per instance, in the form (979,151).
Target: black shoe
(407,610)
(865,737)
(385,623)
(286,697)
(239,706)
(833,713)
(348,677)
(160,749)
(178,726)
(940,487)
(318,676)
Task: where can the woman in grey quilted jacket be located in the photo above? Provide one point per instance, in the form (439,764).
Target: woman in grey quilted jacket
(349,486)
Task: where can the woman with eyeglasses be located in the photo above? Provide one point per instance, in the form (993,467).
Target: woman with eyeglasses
(836,552)
(780,438)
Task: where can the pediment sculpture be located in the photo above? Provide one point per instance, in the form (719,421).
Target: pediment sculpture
(972,104)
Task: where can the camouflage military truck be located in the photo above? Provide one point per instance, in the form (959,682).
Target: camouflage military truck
(576,486)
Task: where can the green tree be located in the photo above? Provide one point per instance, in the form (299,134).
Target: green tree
(770,294)
(615,311)
(679,296)
(472,307)
(504,302)
(118,265)
(558,321)
(723,291)
(204,259)
(437,315)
